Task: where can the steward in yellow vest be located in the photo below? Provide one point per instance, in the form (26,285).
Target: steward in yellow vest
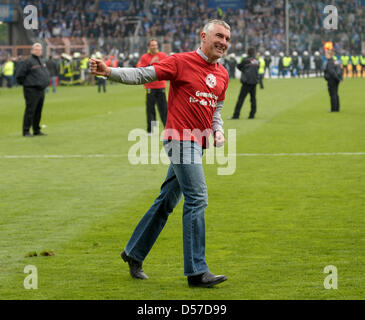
(286,64)
(8,72)
(345,62)
(84,65)
(362,62)
(261,70)
(355,62)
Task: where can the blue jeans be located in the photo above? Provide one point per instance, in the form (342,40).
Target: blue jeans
(185,176)
(54,85)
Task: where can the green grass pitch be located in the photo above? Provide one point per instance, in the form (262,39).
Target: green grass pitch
(272,227)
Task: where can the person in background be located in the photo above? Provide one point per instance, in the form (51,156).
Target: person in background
(261,71)
(34,77)
(333,75)
(76,68)
(100,80)
(362,63)
(249,78)
(8,72)
(121,60)
(306,63)
(355,62)
(295,65)
(345,59)
(268,61)
(287,63)
(53,72)
(281,72)
(155,91)
(318,64)
(84,67)
(232,63)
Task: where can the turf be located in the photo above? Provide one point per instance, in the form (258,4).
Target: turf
(272,226)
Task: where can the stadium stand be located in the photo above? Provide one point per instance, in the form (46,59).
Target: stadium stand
(124,27)
(260,24)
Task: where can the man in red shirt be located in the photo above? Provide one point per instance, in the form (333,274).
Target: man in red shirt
(155,90)
(198,84)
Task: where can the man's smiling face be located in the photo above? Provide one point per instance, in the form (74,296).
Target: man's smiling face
(215,42)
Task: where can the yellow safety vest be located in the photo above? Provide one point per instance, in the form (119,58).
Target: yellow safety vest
(355,60)
(362,60)
(262,66)
(345,60)
(8,69)
(287,61)
(84,63)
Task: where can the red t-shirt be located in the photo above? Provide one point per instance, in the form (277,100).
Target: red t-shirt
(196,86)
(145,61)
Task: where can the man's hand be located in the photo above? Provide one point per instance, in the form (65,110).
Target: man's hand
(99,68)
(219,139)
(154,59)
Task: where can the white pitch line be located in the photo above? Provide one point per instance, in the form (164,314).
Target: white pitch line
(91,156)
(63,156)
(300,154)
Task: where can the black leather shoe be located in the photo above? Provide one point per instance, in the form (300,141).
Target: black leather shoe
(135,267)
(205,280)
(40,133)
(27,134)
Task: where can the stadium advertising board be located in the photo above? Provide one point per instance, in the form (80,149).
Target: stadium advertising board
(226,4)
(114,5)
(6,12)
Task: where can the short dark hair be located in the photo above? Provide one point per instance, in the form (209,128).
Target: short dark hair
(149,41)
(251,52)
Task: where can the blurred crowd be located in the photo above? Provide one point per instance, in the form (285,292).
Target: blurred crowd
(306,25)
(73,69)
(261,24)
(64,69)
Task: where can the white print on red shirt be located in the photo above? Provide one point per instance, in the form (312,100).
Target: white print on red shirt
(195,89)
(211,80)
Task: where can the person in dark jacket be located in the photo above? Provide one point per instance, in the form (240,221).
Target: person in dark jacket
(232,63)
(334,75)
(52,68)
(318,63)
(295,65)
(281,70)
(34,77)
(306,62)
(249,78)
(268,61)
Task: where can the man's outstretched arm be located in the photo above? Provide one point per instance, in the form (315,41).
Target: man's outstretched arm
(123,75)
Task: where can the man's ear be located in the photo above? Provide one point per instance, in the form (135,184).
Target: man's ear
(203,36)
